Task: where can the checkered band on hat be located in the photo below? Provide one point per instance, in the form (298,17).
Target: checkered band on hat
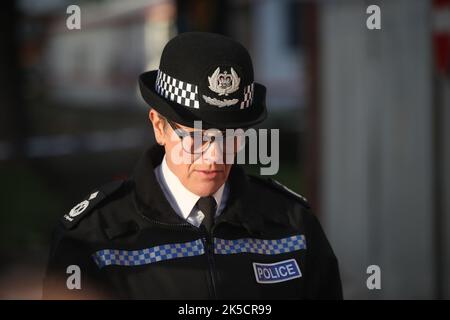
(176,90)
(259,246)
(187,95)
(163,252)
(248,96)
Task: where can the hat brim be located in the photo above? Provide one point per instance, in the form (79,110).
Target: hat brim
(219,118)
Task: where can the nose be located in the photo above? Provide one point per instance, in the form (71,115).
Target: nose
(214,153)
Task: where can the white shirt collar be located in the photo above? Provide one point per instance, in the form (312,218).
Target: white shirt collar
(184,198)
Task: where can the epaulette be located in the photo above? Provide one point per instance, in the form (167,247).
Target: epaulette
(82,209)
(281,187)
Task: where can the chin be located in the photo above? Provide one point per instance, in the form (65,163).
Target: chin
(206,188)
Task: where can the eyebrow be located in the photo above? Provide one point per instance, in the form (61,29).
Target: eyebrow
(175,126)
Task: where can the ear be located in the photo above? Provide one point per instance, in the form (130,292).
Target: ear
(158,126)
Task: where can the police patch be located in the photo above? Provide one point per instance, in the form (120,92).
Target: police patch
(71,219)
(276,272)
(79,208)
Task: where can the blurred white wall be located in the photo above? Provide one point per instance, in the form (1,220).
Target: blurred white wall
(377,145)
(277,64)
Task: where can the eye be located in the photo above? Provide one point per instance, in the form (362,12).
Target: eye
(208,138)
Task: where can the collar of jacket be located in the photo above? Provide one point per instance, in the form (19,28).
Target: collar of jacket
(153,204)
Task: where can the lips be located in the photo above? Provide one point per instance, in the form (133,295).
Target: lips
(209,173)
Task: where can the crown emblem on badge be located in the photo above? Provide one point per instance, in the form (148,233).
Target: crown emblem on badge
(224,83)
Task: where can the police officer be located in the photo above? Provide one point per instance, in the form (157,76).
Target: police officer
(197,229)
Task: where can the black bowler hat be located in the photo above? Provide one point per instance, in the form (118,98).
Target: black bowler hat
(208,77)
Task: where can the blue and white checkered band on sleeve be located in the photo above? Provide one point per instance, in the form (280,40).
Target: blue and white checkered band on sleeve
(248,96)
(176,90)
(259,246)
(108,257)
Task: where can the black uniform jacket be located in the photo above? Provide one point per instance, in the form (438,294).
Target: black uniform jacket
(126,241)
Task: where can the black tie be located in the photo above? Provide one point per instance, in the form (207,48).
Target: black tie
(208,206)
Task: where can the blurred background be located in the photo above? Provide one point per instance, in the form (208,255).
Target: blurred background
(364,119)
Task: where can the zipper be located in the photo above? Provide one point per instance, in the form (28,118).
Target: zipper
(209,250)
(207,244)
(169,225)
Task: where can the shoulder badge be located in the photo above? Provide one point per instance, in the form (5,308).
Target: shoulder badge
(71,219)
(281,187)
